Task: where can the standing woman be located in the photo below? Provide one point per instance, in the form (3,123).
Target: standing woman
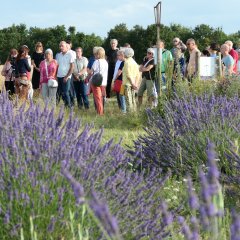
(8,71)
(117,77)
(130,75)
(48,71)
(112,59)
(100,65)
(22,83)
(37,57)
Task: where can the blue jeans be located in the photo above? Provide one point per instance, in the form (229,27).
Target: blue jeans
(119,100)
(81,94)
(64,91)
(123,103)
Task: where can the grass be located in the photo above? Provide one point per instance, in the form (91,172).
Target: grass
(116,125)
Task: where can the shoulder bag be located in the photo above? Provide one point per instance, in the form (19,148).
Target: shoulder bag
(51,81)
(97,78)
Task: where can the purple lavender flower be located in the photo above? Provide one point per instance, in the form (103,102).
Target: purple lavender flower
(76,186)
(52,224)
(102,212)
(192,198)
(185,228)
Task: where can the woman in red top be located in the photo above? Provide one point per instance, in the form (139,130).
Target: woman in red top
(48,70)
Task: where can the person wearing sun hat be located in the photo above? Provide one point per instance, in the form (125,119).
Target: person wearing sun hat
(148,71)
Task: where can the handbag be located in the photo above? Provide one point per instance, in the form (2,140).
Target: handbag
(117,85)
(24,82)
(97,78)
(51,81)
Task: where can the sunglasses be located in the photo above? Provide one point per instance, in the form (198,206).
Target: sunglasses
(149,53)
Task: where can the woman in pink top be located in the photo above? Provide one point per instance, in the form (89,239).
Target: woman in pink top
(48,70)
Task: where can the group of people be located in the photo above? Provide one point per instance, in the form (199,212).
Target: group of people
(71,76)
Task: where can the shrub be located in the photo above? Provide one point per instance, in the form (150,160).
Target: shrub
(36,148)
(176,139)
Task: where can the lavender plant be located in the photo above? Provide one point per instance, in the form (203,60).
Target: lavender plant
(36,146)
(43,157)
(206,219)
(177,138)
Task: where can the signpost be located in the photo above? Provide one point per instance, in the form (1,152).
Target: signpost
(157,14)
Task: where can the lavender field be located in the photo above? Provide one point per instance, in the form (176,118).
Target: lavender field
(167,173)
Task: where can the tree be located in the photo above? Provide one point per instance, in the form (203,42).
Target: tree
(119,32)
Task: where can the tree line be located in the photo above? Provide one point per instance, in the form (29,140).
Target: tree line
(138,37)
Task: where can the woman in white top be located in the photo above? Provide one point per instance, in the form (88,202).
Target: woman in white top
(100,65)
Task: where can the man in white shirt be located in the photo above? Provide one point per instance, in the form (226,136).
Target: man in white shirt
(65,68)
(72,89)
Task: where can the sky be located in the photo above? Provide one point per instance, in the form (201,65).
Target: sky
(99,16)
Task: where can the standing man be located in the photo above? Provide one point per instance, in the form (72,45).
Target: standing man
(191,69)
(227,60)
(112,59)
(79,76)
(178,56)
(234,54)
(72,89)
(65,68)
(166,62)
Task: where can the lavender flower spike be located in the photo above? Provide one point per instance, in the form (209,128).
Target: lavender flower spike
(76,186)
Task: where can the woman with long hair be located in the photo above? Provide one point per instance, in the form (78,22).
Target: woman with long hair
(8,71)
(22,84)
(37,58)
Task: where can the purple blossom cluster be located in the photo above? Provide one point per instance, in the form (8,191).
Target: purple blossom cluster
(42,152)
(177,139)
(50,164)
(207,207)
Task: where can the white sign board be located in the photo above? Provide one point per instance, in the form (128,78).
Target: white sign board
(207,66)
(155,55)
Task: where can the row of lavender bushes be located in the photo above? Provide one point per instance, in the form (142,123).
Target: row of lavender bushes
(175,139)
(58,181)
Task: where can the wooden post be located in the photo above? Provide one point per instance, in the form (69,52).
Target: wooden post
(198,55)
(157,13)
(219,64)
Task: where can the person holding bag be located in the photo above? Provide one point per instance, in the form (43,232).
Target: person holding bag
(79,76)
(99,73)
(8,71)
(48,82)
(22,84)
(117,76)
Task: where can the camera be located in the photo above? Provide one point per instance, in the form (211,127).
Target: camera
(13,64)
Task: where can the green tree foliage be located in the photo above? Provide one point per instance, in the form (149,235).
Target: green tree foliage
(139,38)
